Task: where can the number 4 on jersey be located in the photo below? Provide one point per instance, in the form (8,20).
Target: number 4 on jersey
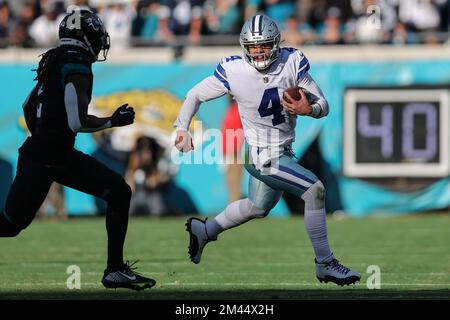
(270,105)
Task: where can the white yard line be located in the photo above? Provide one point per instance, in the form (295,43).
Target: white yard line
(231,273)
(275,284)
(241,284)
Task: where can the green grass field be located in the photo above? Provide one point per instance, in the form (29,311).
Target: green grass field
(264,259)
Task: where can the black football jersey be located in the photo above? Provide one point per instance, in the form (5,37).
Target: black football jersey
(52,135)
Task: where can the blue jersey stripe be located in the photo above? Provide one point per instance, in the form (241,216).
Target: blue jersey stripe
(302,72)
(222,79)
(296,174)
(289,182)
(303,63)
(221,70)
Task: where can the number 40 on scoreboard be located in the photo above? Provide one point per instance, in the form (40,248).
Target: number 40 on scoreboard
(396,132)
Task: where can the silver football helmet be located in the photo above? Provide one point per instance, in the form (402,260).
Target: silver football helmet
(257,30)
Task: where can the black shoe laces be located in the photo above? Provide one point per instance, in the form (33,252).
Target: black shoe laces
(129,269)
(334,264)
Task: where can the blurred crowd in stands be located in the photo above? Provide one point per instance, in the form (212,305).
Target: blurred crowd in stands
(34,23)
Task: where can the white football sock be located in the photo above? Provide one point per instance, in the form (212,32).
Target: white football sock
(235,214)
(316,226)
(316,221)
(213,229)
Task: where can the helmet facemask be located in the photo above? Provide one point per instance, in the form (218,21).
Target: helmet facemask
(263,60)
(97,38)
(106,44)
(102,44)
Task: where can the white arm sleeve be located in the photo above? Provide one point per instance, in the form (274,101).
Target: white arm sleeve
(73,117)
(318,101)
(208,89)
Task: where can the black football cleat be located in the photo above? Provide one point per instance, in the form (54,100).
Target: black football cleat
(126,277)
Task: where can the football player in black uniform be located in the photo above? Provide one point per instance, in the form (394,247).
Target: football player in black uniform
(55,111)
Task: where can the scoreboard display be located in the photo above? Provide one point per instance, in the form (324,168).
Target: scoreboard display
(396,132)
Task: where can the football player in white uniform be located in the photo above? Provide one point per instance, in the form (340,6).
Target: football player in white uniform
(257,82)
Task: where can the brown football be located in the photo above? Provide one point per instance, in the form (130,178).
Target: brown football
(294,93)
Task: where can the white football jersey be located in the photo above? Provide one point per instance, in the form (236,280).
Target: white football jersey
(258,95)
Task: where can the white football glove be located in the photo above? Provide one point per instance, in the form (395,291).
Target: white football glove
(183,141)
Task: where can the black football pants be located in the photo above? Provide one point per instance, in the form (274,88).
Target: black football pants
(79,171)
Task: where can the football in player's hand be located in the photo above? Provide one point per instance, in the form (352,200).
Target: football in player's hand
(294,93)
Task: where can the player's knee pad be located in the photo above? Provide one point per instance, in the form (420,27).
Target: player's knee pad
(314,197)
(253,211)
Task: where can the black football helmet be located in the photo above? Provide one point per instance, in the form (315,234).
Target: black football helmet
(85,29)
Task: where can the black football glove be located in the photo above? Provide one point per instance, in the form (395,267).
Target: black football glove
(123,116)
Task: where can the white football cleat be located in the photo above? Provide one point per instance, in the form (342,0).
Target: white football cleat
(198,238)
(335,272)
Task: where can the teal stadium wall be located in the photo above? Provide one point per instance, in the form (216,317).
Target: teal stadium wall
(209,191)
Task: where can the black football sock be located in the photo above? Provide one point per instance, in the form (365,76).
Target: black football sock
(116,225)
